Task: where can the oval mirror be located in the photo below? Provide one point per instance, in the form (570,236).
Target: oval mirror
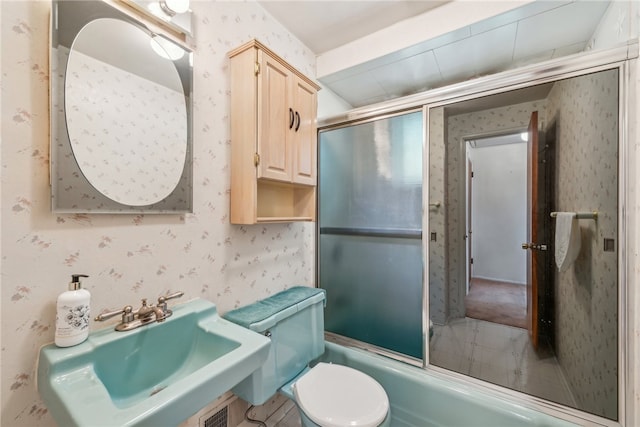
(126,112)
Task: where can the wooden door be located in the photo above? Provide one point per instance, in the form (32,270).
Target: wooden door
(275,118)
(532,229)
(304,133)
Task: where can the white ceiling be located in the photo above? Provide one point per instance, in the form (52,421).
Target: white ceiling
(491,141)
(531,33)
(527,94)
(325,25)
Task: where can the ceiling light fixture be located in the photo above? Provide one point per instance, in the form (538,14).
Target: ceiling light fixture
(166,48)
(156,10)
(173,7)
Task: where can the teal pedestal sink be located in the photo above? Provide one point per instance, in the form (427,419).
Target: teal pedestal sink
(157,375)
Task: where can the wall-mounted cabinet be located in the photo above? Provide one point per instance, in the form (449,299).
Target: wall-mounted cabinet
(273,138)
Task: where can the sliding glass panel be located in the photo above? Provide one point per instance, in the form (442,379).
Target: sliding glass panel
(370,219)
(552,330)
(374,289)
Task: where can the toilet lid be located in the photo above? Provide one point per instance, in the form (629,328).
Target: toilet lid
(337,396)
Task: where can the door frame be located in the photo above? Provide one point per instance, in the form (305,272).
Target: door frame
(469,220)
(464,180)
(533,258)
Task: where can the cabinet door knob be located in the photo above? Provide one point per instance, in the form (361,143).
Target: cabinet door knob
(291,119)
(298,118)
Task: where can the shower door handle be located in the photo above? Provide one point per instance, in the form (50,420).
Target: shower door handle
(535,246)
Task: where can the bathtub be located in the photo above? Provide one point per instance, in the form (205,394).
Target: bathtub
(419,399)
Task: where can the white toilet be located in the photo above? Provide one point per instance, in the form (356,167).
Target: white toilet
(327,395)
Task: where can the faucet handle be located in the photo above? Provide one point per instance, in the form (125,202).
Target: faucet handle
(127,314)
(164,298)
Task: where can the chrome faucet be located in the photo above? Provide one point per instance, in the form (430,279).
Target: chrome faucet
(144,315)
(149,310)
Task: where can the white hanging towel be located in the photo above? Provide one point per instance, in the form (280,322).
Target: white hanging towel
(568,241)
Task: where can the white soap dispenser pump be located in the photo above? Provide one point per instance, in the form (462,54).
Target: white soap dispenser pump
(72,314)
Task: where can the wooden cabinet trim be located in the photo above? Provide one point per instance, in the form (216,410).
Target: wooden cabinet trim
(255,44)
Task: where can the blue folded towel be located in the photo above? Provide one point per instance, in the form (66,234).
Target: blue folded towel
(263,309)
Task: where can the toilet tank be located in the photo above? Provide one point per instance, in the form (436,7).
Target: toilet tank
(294,321)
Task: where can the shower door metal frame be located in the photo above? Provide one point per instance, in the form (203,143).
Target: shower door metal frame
(621,58)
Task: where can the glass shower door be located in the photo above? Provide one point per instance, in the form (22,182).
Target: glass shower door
(370,231)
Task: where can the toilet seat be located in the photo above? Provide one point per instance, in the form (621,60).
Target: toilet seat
(337,396)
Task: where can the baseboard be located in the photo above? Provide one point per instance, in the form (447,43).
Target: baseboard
(492,279)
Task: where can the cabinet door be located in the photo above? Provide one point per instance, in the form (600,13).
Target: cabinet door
(274,119)
(304,133)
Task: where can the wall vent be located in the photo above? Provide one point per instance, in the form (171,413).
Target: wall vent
(220,418)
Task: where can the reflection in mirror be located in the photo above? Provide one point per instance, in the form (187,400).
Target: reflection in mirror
(121,125)
(509,302)
(175,14)
(134,159)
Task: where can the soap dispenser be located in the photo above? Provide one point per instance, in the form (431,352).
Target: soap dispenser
(72,314)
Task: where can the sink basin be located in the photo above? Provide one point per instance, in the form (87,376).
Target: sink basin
(159,374)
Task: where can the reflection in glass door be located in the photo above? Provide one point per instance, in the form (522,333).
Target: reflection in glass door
(370,231)
(571,355)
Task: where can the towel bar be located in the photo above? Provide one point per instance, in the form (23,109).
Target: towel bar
(580,215)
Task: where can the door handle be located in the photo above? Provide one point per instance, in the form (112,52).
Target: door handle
(298,123)
(535,246)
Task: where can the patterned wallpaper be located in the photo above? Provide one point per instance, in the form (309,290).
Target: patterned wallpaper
(459,126)
(128,257)
(584,109)
(438,273)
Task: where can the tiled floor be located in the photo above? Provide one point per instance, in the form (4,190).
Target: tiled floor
(292,419)
(276,412)
(501,355)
